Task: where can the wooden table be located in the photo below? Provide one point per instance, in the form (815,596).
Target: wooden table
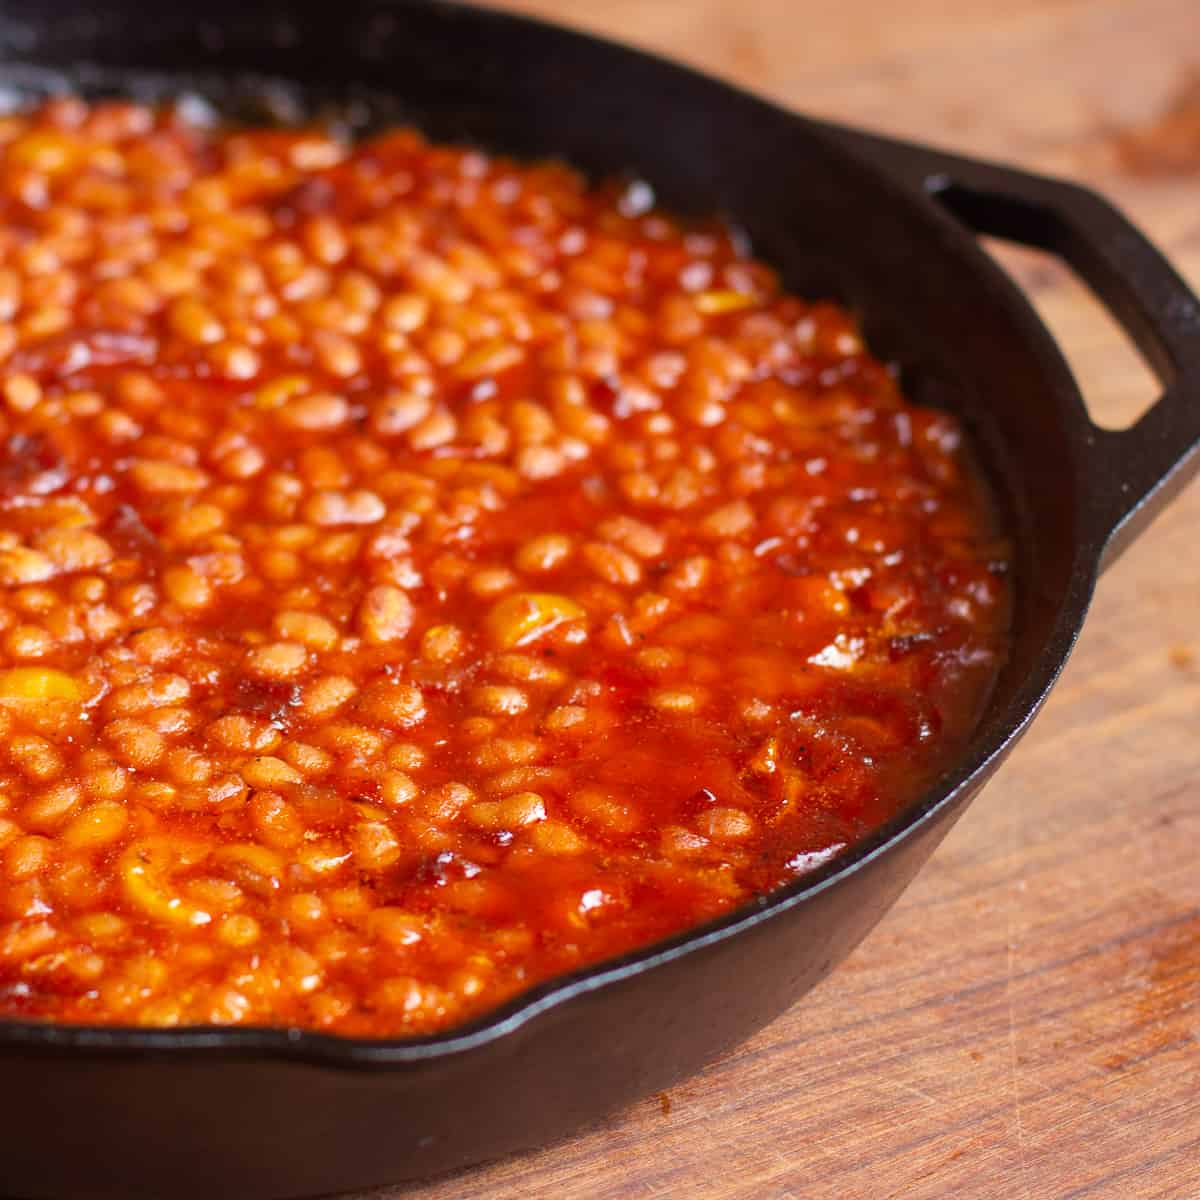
(1026,1022)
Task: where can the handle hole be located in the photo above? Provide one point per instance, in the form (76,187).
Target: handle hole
(1117,383)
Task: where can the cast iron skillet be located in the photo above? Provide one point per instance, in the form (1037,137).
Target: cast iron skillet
(884,227)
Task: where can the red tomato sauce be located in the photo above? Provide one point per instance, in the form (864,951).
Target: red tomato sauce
(423,574)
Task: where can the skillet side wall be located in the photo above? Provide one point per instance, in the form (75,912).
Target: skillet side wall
(84,1124)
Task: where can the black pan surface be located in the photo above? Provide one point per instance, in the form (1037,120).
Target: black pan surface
(885,228)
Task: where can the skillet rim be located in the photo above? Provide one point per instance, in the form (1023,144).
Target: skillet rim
(994,736)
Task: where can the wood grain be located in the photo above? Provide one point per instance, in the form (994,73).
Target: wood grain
(1025,1023)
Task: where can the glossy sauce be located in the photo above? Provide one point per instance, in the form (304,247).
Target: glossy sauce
(423,574)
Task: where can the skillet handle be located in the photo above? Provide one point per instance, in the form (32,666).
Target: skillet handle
(1135,471)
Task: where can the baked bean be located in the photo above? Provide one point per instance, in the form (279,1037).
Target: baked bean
(276,660)
(385,615)
(543,553)
(308,629)
(396,705)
